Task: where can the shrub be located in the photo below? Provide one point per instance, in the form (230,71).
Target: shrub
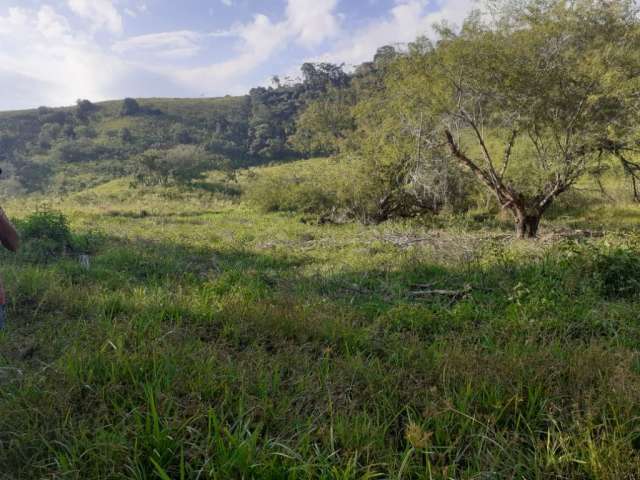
(618,272)
(33,176)
(291,193)
(180,134)
(59,117)
(126,136)
(129,107)
(45,235)
(77,151)
(85,131)
(48,134)
(179,165)
(611,271)
(85,109)
(328,187)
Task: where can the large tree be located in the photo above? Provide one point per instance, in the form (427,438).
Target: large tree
(530,97)
(324,123)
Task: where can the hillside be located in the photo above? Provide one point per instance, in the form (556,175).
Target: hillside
(58,150)
(63,149)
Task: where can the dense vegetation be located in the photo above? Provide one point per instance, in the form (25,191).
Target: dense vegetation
(321,279)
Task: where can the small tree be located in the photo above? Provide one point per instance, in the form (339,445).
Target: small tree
(84,109)
(395,169)
(180,165)
(532,97)
(130,107)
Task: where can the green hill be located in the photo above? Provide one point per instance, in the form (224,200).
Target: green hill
(66,149)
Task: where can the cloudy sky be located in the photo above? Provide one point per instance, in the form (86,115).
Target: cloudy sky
(55,51)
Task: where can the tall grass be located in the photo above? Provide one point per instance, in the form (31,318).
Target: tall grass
(208,340)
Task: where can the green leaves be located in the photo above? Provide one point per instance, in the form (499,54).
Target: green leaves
(179,165)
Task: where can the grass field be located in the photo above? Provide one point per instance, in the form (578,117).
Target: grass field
(209,340)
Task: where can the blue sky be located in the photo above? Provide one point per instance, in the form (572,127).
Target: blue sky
(55,51)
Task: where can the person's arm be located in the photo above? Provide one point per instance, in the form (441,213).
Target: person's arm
(8,234)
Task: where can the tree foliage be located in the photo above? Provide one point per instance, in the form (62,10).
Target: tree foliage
(325,123)
(180,165)
(529,97)
(130,107)
(84,109)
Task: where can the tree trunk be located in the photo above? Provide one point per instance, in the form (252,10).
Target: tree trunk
(527,225)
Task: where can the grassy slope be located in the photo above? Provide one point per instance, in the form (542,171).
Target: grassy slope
(172,105)
(152,125)
(209,340)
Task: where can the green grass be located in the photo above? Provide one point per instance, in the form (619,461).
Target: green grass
(209,340)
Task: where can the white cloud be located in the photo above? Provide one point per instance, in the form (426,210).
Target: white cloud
(406,21)
(46,58)
(39,48)
(228,3)
(178,44)
(15,19)
(312,21)
(258,41)
(101,13)
(307,23)
(50,24)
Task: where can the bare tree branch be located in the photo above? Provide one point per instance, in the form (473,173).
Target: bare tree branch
(507,153)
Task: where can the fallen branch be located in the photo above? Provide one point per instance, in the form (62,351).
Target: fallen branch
(426,291)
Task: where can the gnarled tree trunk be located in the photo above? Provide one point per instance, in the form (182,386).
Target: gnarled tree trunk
(527,224)
(527,210)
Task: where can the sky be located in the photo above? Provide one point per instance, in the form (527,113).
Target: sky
(53,52)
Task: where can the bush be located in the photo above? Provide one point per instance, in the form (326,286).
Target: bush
(611,271)
(59,117)
(84,131)
(291,193)
(45,235)
(77,151)
(129,107)
(618,272)
(85,109)
(307,186)
(48,134)
(126,136)
(180,134)
(180,165)
(33,176)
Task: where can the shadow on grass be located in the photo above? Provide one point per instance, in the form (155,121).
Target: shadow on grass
(143,213)
(428,298)
(222,188)
(165,348)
